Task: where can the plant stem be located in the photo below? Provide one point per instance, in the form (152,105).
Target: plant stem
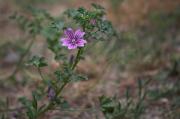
(40,73)
(51,105)
(77,58)
(22,58)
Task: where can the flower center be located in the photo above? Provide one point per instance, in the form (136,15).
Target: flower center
(73,41)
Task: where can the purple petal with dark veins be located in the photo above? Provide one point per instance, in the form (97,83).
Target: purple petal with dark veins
(73,39)
(81,42)
(72,46)
(69,33)
(65,41)
(79,34)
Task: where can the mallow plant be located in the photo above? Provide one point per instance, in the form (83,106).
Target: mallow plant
(73,31)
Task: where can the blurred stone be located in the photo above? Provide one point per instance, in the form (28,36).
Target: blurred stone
(11,57)
(164,101)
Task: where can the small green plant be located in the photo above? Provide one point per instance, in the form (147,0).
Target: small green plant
(130,108)
(61,37)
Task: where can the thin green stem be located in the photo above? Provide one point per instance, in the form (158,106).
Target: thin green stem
(41,75)
(22,58)
(77,58)
(50,106)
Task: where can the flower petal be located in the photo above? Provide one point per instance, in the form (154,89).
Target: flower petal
(79,34)
(81,42)
(69,33)
(72,46)
(65,41)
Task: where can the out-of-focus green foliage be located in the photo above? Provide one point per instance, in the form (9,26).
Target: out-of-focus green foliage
(130,108)
(38,61)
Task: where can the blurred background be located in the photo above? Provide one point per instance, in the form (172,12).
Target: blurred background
(148,48)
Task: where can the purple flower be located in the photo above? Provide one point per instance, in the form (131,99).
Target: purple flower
(73,39)
(51,93)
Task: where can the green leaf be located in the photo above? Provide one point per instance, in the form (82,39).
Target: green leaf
(62,103)
(79,77)
(107,104)
(38,61)
(60,57)
(97,6)
(34,102)
(59,75)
